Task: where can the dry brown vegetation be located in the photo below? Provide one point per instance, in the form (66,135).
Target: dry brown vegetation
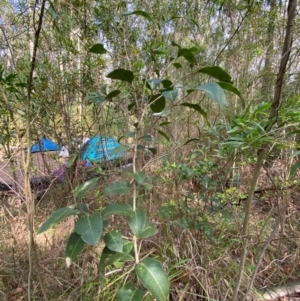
(198,243)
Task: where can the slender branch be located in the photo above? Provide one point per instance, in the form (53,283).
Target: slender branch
(235,32)
(273,116)
(26,159)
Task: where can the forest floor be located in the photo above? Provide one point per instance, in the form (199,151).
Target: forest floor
(199,242)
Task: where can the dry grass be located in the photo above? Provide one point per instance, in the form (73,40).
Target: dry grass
(202,265)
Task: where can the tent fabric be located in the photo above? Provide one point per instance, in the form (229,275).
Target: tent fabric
(100,148)
(64,152)
(44,145)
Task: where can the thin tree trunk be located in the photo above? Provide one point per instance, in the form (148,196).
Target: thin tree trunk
(32,254)
(273,116)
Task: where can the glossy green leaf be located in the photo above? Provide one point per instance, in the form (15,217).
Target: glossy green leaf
(165,123)
(159,51)
(90,228)
(146,186)
(158,103)
(148,231)
(98,48)
(138,13)
(56,217)
(95,98)
(108,256)
(177,65)
(130,292)
(112,94)
(187,54)
(137,221)
(130,134)
(295,154)
(163,113)
(121,74)
(139,177)
(119,187)
(120,149)
(147,137)
(294,168)
(214,92)
(74,246)
(167,83)
(171,95)
(103,89)
(154,278)
(164,135)
(216,72)
(83,208)
(82,189)
(153,150)
(153,83)
(197,108)
(231,88)
(175,44)
(72,159)
(113,240)
(131,106)
(191,140)
(116,209)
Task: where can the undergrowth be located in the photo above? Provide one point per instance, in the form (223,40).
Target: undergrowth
(199,238)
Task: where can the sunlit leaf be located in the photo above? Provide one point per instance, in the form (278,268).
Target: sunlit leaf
(116,209)
(82,189)
(171,95)
(90,228)
(83,208)
(137,221)
(148,230)
(139,177)
(119,187)
(56,217)
(153,83)
(163,113)
(108,256)
(113,240)
(294,168)
(154,278)
(165,123)
(74,246)
(159,51)
(146,186)
(72,159)
(138,13)
(214,92)
(130,292)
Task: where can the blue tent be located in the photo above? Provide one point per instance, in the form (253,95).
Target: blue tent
(44,145)
(100,149)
